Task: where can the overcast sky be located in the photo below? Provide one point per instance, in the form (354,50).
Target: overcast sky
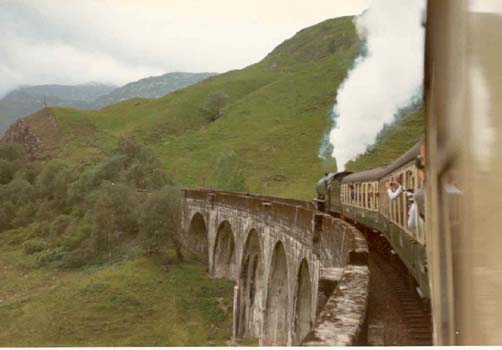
(117,41)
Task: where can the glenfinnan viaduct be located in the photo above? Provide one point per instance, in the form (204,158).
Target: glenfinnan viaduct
(301,277)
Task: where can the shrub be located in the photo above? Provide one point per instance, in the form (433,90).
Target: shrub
(108,169)
(50,255)
(159,220)
(34,245)
(39,229)
(59,225)
(78,258)
(46,179)
(7,171)
(12,151)
(19,191)
(25,215)
(114,216)
(133,150)
(75,235)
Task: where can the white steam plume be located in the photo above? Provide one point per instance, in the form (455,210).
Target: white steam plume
(385,79)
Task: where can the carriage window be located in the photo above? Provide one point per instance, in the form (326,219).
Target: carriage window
(365,195)
(369,195)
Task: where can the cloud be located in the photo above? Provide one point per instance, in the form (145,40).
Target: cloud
(384,80)
(116,41)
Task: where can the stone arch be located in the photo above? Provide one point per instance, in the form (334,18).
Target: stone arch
(303,303)
(250,287)
(224,252)
(198,237)
(276,312)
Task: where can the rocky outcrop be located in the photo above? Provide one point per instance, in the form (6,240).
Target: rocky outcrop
(27,132)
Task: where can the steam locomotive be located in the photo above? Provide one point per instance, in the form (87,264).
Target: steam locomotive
(363,197)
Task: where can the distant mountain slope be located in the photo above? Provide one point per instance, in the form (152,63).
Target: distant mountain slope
(272,115)
(152,87)
(29,99)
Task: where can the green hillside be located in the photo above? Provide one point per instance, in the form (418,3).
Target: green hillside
(87,240)
(133,303)
(392,141)
(273,115)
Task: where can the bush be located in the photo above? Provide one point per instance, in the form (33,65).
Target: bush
(12,151)
(50,255)
(134,150)
(214,105)
(34,245)
(7,215)
(75,235)
(39,229)
(108,169)
(19,191)
(78,258)
(159,220)
(46,179)
(114,216)
(25,215)
(59,225)
(7,171)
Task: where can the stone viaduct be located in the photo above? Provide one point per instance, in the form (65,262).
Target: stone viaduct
(301,276)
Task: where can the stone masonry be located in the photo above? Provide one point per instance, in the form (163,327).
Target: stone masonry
(301,276)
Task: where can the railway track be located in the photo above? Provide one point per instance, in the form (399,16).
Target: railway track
(415,316)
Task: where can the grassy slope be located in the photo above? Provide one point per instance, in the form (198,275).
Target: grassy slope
(274,118)
(134,303)
(397,139)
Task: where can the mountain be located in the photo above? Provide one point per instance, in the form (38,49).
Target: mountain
(152,87)
(272,115)
(29,99)
(26,100)
(262,124)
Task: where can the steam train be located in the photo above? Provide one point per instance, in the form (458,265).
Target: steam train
(363,197)
(456,257)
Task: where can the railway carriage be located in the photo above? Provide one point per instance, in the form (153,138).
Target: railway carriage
(362,197)
(459,268)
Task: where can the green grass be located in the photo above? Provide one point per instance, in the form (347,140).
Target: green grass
(274,118)
(392,142)
(134,303)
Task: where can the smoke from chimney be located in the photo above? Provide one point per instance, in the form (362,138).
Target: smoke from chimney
(385,78)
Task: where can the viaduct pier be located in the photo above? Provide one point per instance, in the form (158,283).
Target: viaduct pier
(301,276)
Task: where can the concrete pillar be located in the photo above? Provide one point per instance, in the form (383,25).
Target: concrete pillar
(235,322)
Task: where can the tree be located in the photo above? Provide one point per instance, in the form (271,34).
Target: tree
(114,216)
(214,105)
(12,151)
(159,220)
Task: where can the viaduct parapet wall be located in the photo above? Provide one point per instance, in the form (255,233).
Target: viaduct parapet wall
(301,275)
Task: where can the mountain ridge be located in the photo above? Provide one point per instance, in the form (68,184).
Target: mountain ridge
(26,100)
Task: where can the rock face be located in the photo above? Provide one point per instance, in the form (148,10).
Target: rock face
(20,132)
(27,132)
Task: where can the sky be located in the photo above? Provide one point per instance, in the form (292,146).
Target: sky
(118,41)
